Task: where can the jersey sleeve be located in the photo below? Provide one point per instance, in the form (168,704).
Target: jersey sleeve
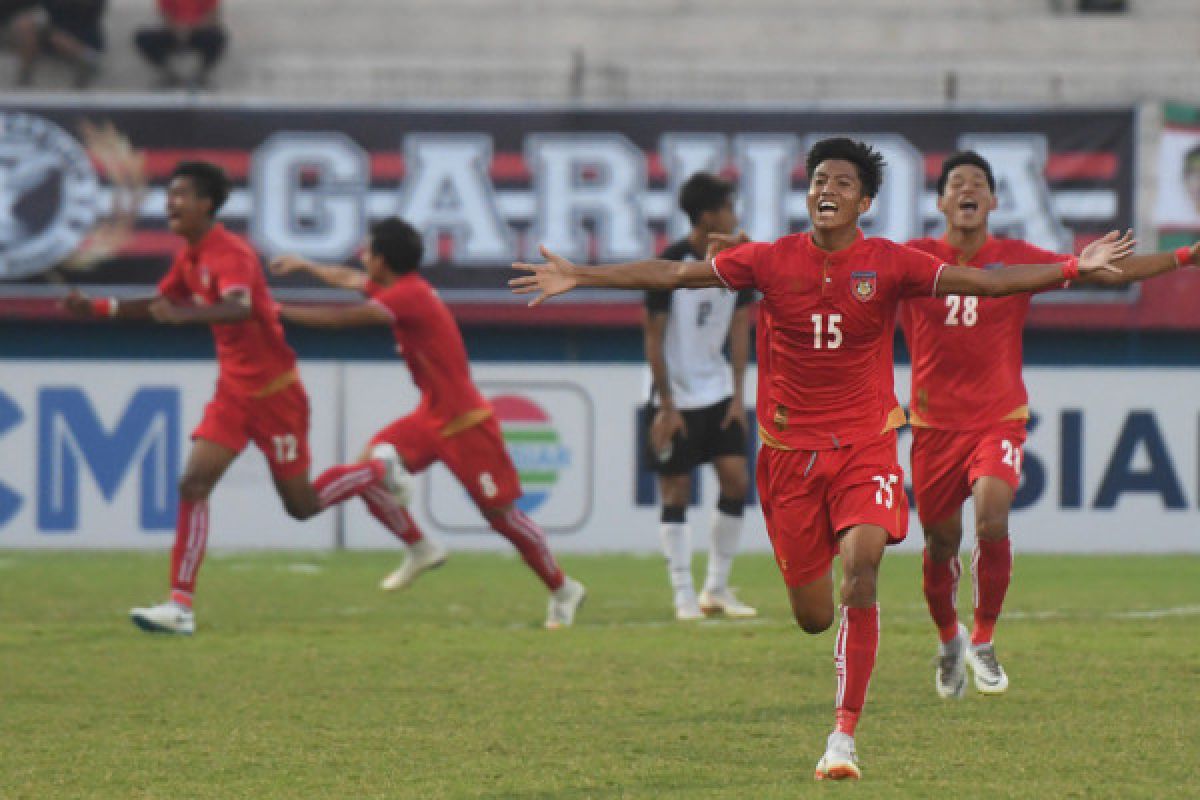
(739,267)
(234,272)
(172,286)
(918,272)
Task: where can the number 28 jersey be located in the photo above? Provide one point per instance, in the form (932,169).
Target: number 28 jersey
(967,351)
(825,334)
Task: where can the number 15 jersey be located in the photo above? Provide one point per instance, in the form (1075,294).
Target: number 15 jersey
(825,334)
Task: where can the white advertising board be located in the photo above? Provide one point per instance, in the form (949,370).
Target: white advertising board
(91,452)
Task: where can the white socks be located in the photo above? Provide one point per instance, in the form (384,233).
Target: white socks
(726,534)
(677,547)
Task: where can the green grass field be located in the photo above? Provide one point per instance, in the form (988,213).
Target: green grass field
(305,681)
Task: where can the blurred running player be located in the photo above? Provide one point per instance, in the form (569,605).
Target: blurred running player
(453,423)
(217,280)
(827,475)
(697,409)
(968,410)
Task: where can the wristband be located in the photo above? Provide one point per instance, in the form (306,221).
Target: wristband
(104,307)
(1070,268)
(1183,256)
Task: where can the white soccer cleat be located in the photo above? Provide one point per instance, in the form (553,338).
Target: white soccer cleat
(564,603)
(840,761)
(950,676)
(164,618)
(425,555)
(687,608)
(724,601)
(990,677)
(396,477)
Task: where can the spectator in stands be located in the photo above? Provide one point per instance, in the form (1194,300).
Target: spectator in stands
(1191,176)
(70,29)
(187,26)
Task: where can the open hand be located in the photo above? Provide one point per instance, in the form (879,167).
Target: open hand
(1099,255)
(556,276)
(288,263)
(667,422)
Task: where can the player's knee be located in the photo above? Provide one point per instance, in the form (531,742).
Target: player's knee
(858,588)
(991,527)
(194,488)
(942,545)
(734,486)
(813,622)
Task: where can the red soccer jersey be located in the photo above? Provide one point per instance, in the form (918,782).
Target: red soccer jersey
(432,346)
(253,354)
(966,351)
(826,327)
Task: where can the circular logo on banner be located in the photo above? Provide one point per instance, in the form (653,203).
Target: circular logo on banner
(47,195)
(535,446)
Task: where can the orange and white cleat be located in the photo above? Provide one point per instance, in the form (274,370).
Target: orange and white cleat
(840,761)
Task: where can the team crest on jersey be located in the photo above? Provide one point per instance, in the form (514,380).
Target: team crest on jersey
(863,284)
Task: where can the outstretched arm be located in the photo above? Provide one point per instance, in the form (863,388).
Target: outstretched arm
(341,277)
(1139,268)
(1096,257)
(347,316)
(78,304)
(558,276)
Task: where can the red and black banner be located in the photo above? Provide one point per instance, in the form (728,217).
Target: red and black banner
(82,187)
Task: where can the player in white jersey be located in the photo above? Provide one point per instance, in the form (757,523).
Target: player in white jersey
(696,411)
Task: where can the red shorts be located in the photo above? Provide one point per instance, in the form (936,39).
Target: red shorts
(810,496)
(277,424)
(946,464)
(476,456)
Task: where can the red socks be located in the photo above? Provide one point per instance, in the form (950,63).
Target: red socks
(854,660)
(191,540)
(530,542)
(940,582)
(337,484)
(391,514)
(991,566)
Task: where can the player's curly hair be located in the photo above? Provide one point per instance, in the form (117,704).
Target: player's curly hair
(967,158)
(398,244)
(866,160)
(703,192)
(208,179)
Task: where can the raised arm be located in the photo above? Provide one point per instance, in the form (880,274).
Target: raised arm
(558,276)
(1139,268)
(341,277)
(1015,279)
(341,316)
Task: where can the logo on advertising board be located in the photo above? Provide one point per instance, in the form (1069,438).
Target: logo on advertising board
(535,446)
(47,195)
(548,432)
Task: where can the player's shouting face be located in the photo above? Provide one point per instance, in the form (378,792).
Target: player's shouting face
(188,212)
(835,195)
(967,198)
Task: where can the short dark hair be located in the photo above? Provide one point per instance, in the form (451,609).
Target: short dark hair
(866,160)
(703,192)
(207,179)
(398,244)
(967,158)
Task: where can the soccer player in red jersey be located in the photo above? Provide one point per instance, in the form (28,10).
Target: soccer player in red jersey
(968,414)
(827,474)
(216,280)
(453,423)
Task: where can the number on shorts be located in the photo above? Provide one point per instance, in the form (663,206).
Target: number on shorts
(285,447)
(1012,455)
(488,484)
(885,496)
(962,310)
(703,312)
